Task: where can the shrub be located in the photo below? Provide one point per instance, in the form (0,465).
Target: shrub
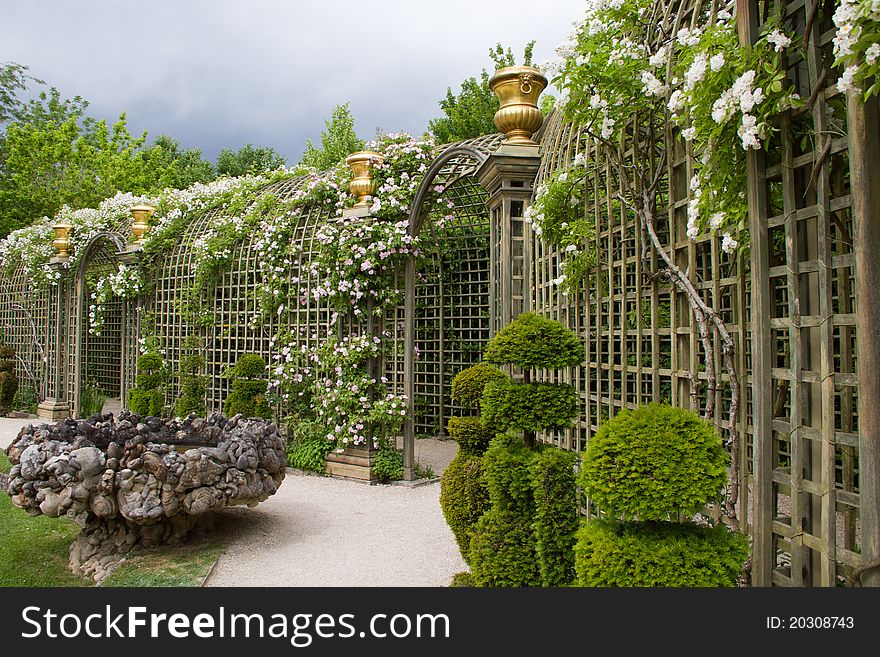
(308,445)
(506,470)
(248,394)
(529,406)
(388,465)
(467,386)
(147,398)
(556,517)
(654,462)
(462,580)
(192,387)
(611,553)
(8,379)
(92,400)
(502,550)
(532,341)
(463,498)
(470,433)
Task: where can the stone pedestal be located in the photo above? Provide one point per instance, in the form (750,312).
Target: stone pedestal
(53,409)
(351,463)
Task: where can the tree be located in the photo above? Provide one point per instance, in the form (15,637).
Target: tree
(165,164)
(248,159)
(337,142)
(471,113)
(12,80)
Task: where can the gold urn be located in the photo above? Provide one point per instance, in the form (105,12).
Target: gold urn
(518,88)
(141,225)
(362,185)
(62,238)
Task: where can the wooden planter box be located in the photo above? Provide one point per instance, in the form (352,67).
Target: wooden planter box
(351,463)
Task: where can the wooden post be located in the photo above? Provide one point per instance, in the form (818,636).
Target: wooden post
(864,157)
(55,407)
(762,385)
(409,346)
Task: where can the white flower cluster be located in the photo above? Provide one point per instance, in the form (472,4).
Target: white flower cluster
(853,19)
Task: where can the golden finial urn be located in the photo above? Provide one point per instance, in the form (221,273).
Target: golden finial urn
(141,225)
(518,88)
(362,185)
(62,238)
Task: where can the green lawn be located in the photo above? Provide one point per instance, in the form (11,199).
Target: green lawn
(34,552)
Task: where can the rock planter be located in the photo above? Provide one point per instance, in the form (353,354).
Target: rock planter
(131,481)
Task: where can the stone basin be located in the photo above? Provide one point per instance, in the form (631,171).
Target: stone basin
(147,481)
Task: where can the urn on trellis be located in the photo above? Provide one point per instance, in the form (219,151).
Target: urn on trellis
(362,185)
(141,221)
(518,89)
(61,242)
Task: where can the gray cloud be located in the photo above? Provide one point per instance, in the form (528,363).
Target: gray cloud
(226,72)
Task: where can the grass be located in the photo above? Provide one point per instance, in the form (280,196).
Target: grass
(34,552)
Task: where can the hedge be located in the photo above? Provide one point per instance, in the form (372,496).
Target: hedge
(464,497)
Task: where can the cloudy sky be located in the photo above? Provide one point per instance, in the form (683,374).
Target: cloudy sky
(216,73)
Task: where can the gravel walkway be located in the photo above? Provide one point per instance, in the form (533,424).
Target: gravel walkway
(317,531)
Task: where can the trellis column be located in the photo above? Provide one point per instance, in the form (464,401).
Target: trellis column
(508,176)
(864,155)
(56,406)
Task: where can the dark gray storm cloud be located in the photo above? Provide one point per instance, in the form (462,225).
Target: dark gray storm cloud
(227,72)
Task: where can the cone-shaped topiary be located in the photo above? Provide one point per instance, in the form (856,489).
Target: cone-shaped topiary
(463,498)
(248,395)
(8,379)
(147,398)
(535,342)
(467,386)
(192,387)
(654,463)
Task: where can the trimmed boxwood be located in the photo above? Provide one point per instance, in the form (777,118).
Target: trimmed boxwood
(248,394)
(470,433)
(147,398)
(653,463)
(532,341)
(634,554)
(556,517)
(506,469)
(467,385)
(192,387)
(529,406)
(464,497)
(502,550)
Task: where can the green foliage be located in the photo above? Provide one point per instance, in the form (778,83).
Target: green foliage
(248,394)
(462,580)
(147,398)
(164,164)
(548,104)
(502,550)
(338,141)
(504,58)
(653,463)
(556,517)
(13,79)
(248,159)
(470,433)
(463,497)
(532,341)
(506,469)
(308,445)
(388,465)
(610,553)
(529,406)
(192,387)
(26,399)
(467,385)
(91,400)
(8,378)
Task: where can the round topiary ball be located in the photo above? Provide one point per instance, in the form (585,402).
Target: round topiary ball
(470,433)
(653,463)
(532,341)
(467,386)
(248,366)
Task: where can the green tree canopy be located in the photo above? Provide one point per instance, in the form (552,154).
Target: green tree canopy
(248,159)
(338,141)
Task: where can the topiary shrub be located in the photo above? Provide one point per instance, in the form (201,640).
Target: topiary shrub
(556,517)
(506,470)
(462,580)
(470,433)
(654,463)
(467,385)
(463,498)
(533,342)
(147,398)
(308,445)
(192,387)
(529,406)
(610,553)
(248,394)
(8,379)
(502,550)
